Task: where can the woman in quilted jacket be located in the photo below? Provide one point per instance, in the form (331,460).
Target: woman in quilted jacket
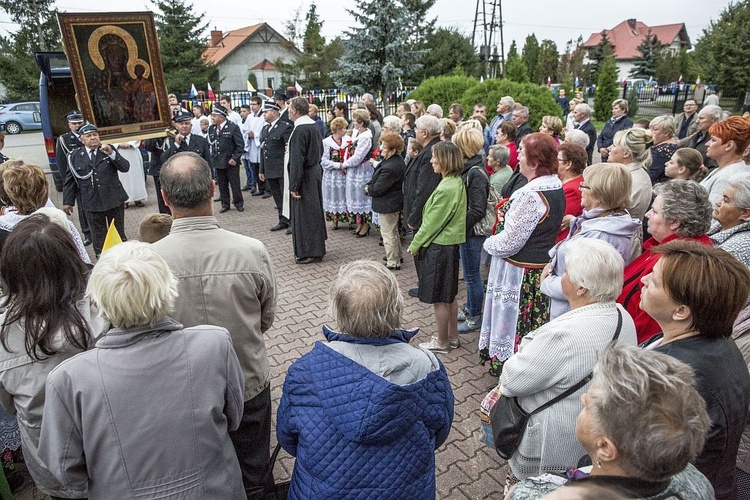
(364,412)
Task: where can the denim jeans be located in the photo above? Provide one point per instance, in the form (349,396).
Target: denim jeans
(471,253)
(249,172)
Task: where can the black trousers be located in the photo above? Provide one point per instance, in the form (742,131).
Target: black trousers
(163,208)
(252,443)
(226,178)
(99,224)
(277,190)
(256,173)
(82,220)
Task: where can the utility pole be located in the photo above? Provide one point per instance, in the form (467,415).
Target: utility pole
(488,16)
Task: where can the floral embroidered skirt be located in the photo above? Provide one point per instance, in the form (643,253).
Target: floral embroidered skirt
(514,306)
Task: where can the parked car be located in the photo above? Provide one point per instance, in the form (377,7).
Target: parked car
(20,116)
(647,90)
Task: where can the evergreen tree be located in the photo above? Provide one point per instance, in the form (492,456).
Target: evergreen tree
(530,56)
(38,32)
(182,43)
(721,53)
(598,54)
(447,50)
(513,49)
(378,52)
(515,69)
(645,63)
(571,62)
(547,62)
(607,89)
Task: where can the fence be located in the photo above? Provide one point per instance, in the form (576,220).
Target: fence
(653,101)
(325,100)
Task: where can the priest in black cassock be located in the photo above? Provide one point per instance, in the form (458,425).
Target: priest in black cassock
(305,185)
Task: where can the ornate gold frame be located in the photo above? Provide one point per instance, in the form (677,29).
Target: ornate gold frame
(119,87)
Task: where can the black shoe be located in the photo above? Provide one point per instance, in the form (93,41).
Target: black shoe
(308,260)
(224,209)
(246,188)
(87,241)
(217,199)
(289,230)
(386,259)
(279,227)
(267,195)
(414,292)
(393,268)
(240,209)
(258,193)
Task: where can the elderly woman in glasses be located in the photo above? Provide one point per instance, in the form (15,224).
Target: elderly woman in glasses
(559,354)
(642,422)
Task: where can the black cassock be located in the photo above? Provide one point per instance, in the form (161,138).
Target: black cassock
(305,177)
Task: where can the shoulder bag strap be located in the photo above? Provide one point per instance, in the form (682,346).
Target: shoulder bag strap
(585,380)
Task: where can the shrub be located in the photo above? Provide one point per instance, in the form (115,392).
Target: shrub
(537,98)
(443,90)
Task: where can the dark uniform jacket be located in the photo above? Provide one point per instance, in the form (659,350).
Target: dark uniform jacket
(227,144)
(273,141)
(197,144)
(523,130)
(420,180)
(98,181)
(66,144)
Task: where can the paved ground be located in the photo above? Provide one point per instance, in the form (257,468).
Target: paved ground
(465,467)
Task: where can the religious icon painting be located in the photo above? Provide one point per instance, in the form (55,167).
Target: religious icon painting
(117,72)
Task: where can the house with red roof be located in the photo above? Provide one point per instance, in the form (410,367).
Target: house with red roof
(247,50)
(628,35)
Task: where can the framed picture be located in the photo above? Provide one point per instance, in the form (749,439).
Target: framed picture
(117,73)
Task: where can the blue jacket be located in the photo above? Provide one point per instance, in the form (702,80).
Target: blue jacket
(356,434)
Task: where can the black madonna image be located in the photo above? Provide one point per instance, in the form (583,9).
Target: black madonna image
(117,72)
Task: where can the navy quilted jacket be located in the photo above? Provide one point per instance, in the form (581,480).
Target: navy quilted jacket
(358,436)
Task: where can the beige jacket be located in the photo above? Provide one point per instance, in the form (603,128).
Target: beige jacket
(741,336)
(225,279)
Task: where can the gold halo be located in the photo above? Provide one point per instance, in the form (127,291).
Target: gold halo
(133,61)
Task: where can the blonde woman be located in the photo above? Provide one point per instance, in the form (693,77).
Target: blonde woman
(552,125)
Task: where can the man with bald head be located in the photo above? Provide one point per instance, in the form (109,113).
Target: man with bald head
(209,263)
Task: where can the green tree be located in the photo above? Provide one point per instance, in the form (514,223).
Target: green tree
(443,90)
(378,52)
(447,50)
(530,55)
(318,59)
(721,53)
(515,70)
(37,32)
(597,55)
(607,89)
(649,51)
(571,62)
(181,44)
(547,62)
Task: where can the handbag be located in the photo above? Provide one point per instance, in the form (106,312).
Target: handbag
(280,490)
(509,420)
(486,224)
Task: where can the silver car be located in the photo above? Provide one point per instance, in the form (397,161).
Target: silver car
(20,116)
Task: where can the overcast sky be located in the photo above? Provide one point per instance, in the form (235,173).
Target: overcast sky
(558,21)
